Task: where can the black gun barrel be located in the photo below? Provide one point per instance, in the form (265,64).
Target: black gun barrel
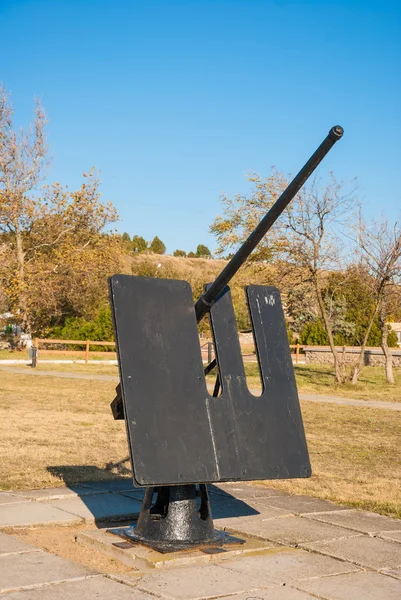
(206,301)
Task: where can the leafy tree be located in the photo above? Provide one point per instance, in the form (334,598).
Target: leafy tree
(203,251)
(55,252)
(126,237)
(314,334)
(138,244)
(157,246)
(300,306)
(191,255)
(179,253)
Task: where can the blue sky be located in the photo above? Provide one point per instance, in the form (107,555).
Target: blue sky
(174,101)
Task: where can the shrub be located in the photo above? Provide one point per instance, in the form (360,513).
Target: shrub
(98,329)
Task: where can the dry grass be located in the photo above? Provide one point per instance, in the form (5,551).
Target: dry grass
(54,430)
(355,457)
(197,271)
(372,385)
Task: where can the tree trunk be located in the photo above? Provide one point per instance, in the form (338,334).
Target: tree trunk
(323,312)
(23,300)
(388,355)
(361,359)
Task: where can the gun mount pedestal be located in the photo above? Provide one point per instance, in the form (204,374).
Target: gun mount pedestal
(179,519)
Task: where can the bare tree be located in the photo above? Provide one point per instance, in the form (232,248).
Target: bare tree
(311,239)
(380,248)
(307,237)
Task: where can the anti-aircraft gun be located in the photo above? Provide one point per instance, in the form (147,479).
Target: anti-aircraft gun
(180,436)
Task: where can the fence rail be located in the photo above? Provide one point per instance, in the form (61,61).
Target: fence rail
(207,348)
(85,352)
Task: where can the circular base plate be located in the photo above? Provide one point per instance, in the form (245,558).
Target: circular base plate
(220,538)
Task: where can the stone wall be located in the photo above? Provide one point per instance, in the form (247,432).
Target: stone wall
(374,357)
(244,338)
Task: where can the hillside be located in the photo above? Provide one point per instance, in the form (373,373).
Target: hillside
(199,271)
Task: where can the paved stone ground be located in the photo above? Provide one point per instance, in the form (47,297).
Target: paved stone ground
(316,550)
(303,396)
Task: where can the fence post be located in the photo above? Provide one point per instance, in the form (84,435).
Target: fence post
(34,353)
(297,354)
(87,352)
(36,344)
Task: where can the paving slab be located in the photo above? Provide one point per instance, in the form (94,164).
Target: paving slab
(9,498)
(355,586)
(289,567)
(99,507)
(12,545)
(33,513)
(359,520)
(393,536)
(235,511)
(34,568)
(55,493)
(392,573)
(244,491)
(303,504)
(136,494)
(225,506)
(272,593)
(93,588)
(111,485)
(288,531)
(362,550)
(246,526)
(197,583)
(247,494)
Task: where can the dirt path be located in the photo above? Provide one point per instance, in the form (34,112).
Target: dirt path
(60,374)
(322,398)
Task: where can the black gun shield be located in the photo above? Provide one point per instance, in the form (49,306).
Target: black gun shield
(178,433)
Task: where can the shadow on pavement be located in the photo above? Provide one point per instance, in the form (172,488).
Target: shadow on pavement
(111,498)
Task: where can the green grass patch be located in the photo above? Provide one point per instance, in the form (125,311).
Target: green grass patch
(320,379)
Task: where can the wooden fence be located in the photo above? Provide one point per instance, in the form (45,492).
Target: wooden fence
(298,348)
(88,343)
(85,352)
